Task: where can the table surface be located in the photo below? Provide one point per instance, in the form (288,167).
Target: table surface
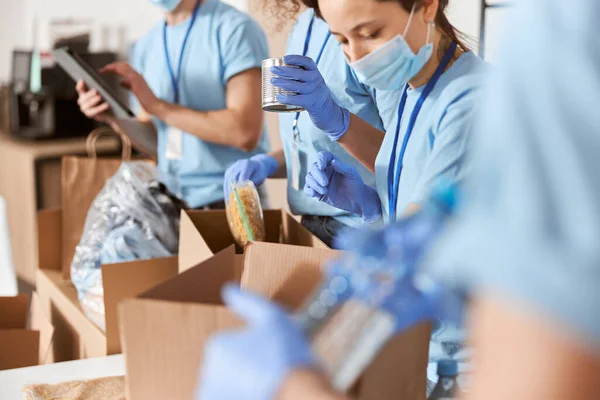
(12,381)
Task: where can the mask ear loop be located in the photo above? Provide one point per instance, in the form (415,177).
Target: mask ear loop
(429,28)
(410,18)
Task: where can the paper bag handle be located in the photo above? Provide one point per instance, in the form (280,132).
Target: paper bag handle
(92,139)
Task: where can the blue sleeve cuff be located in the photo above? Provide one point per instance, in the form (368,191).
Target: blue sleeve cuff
(335,136)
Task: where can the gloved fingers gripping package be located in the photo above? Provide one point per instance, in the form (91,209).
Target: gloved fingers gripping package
(244,213)
(134,217)
(374,291)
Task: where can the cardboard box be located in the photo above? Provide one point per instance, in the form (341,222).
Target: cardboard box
(76,337)
(205,233)
(164,329)
(21,347)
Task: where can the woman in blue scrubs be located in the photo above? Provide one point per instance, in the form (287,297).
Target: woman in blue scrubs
(408,46)
(303,139)
(405,45)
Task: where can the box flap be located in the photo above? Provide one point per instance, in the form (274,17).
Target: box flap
(13,312)
(49,239)
(273,223)
(19,348)
(163,343)
(41,322)
(201,284)
(127,280)
(294,233)
(59,297)
(285,273)
(192,247)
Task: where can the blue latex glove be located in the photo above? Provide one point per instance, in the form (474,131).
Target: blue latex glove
(312,94)
(341,186)
(256,169)
(252,363)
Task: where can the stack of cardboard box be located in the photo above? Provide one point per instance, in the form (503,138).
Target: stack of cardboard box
(161,312)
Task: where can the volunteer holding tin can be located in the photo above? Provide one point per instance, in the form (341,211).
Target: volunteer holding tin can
(304,136)
(406,45)
(410,46)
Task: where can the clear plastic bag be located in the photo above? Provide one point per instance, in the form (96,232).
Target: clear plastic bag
(244,213)
(132,218)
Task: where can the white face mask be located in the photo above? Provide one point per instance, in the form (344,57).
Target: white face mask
(166,5)
(391,66)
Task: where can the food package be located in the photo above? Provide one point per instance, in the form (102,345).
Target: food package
(134,217)
(112,388)
(244,213)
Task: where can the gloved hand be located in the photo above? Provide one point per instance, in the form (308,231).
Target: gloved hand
(400,250)
(256,169)
(341,186)
(252,363)
(312,94)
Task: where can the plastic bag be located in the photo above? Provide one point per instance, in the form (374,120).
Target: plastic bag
(244,213)
(134,217)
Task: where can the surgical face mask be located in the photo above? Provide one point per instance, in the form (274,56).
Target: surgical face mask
(166,5)
(391,66)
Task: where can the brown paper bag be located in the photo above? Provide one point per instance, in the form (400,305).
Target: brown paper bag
(82,179)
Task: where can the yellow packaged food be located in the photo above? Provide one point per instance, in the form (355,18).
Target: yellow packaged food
(244,213)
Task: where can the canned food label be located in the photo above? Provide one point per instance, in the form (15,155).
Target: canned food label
(174,144)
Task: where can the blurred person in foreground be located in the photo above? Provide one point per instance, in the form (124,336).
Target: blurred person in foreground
(525,245)
(196,83)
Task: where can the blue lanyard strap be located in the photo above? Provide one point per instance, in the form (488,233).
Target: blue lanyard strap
(393,172)
(304,52)
(175,78)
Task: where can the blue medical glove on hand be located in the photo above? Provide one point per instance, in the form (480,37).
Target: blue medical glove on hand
(252,363)
(312,94)
(256,169)
(341,186)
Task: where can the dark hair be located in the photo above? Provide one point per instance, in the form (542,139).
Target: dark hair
(289,8)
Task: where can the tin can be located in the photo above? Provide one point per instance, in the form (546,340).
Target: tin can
(269,91)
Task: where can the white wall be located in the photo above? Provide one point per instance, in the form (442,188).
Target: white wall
(465,15)
(128,18)
(12,18)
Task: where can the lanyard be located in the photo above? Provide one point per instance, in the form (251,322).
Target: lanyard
(175,78)
(304,52)
(393,172)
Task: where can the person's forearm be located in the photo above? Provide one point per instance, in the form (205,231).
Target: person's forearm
(279,156)
(225,127)
(521,354)
(363,141)
(307,384)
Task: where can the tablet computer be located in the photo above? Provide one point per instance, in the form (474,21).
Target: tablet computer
(78,69)
(143,137)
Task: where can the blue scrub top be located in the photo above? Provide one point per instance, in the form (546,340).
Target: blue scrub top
(530,231)
(348,93)
(223,43)
(440,137)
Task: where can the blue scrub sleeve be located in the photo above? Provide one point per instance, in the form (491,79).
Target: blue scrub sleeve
(449,144)
(243,47)
(531,230)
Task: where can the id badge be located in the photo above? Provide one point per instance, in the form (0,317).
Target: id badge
(295,164)
(174,144)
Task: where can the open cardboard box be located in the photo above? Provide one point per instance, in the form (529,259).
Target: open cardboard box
(205,233)
(76,337)
(19,346)
(164,330)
